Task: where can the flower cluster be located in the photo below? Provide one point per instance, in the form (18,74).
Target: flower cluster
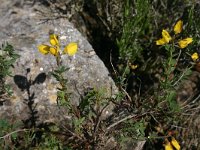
(171,145)
(166,38)
(54,47)
(195,57)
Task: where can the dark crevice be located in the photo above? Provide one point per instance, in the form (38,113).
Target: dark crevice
(98,33)
(102,40)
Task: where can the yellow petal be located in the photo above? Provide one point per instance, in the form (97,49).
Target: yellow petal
(71,49)
(44,49)
(54,51)
(178,27)
(53,39)
(133,67)
(175,144)
(184,43)
(166,36)
(161,42)
(168,146)
(195,56)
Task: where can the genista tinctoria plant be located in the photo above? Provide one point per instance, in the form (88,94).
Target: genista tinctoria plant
(169,79)
(85,128)
(171,43)
(54,49)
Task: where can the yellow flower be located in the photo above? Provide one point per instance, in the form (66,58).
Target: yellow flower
(178,27)
(168,146)
(71,49)
(161,42)
(54,48)
(132,66)
(195,56)
(54,51)
(184,43)
(53,39)
(175,144)
(44,49)
(165,38)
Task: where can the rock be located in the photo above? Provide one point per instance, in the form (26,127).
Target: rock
(24,28)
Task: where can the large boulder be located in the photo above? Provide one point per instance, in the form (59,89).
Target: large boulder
(25,29)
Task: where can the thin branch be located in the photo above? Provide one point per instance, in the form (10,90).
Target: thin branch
(122,120)
(73,134)
(115,71)
(130,99)
(99,118)
(9,134)
(182,75)
(192,102)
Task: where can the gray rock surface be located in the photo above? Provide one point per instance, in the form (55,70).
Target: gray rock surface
(24,28)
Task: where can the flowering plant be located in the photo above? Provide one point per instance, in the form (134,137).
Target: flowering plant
(54,48)
(166,38)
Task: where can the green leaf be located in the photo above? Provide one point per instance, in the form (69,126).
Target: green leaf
(171,98)
(61,69)
(14,136)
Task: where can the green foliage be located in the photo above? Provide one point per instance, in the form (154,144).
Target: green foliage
(50,142)
(3,126)
(136,26)
(93,99)
(87,120)
(62,93)
(166,66)
(134,129)
(7,131)
(172,101)
(85,123)
(131,132)
(78,124)
(7,59)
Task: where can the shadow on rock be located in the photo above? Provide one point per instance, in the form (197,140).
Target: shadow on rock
(25,84)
